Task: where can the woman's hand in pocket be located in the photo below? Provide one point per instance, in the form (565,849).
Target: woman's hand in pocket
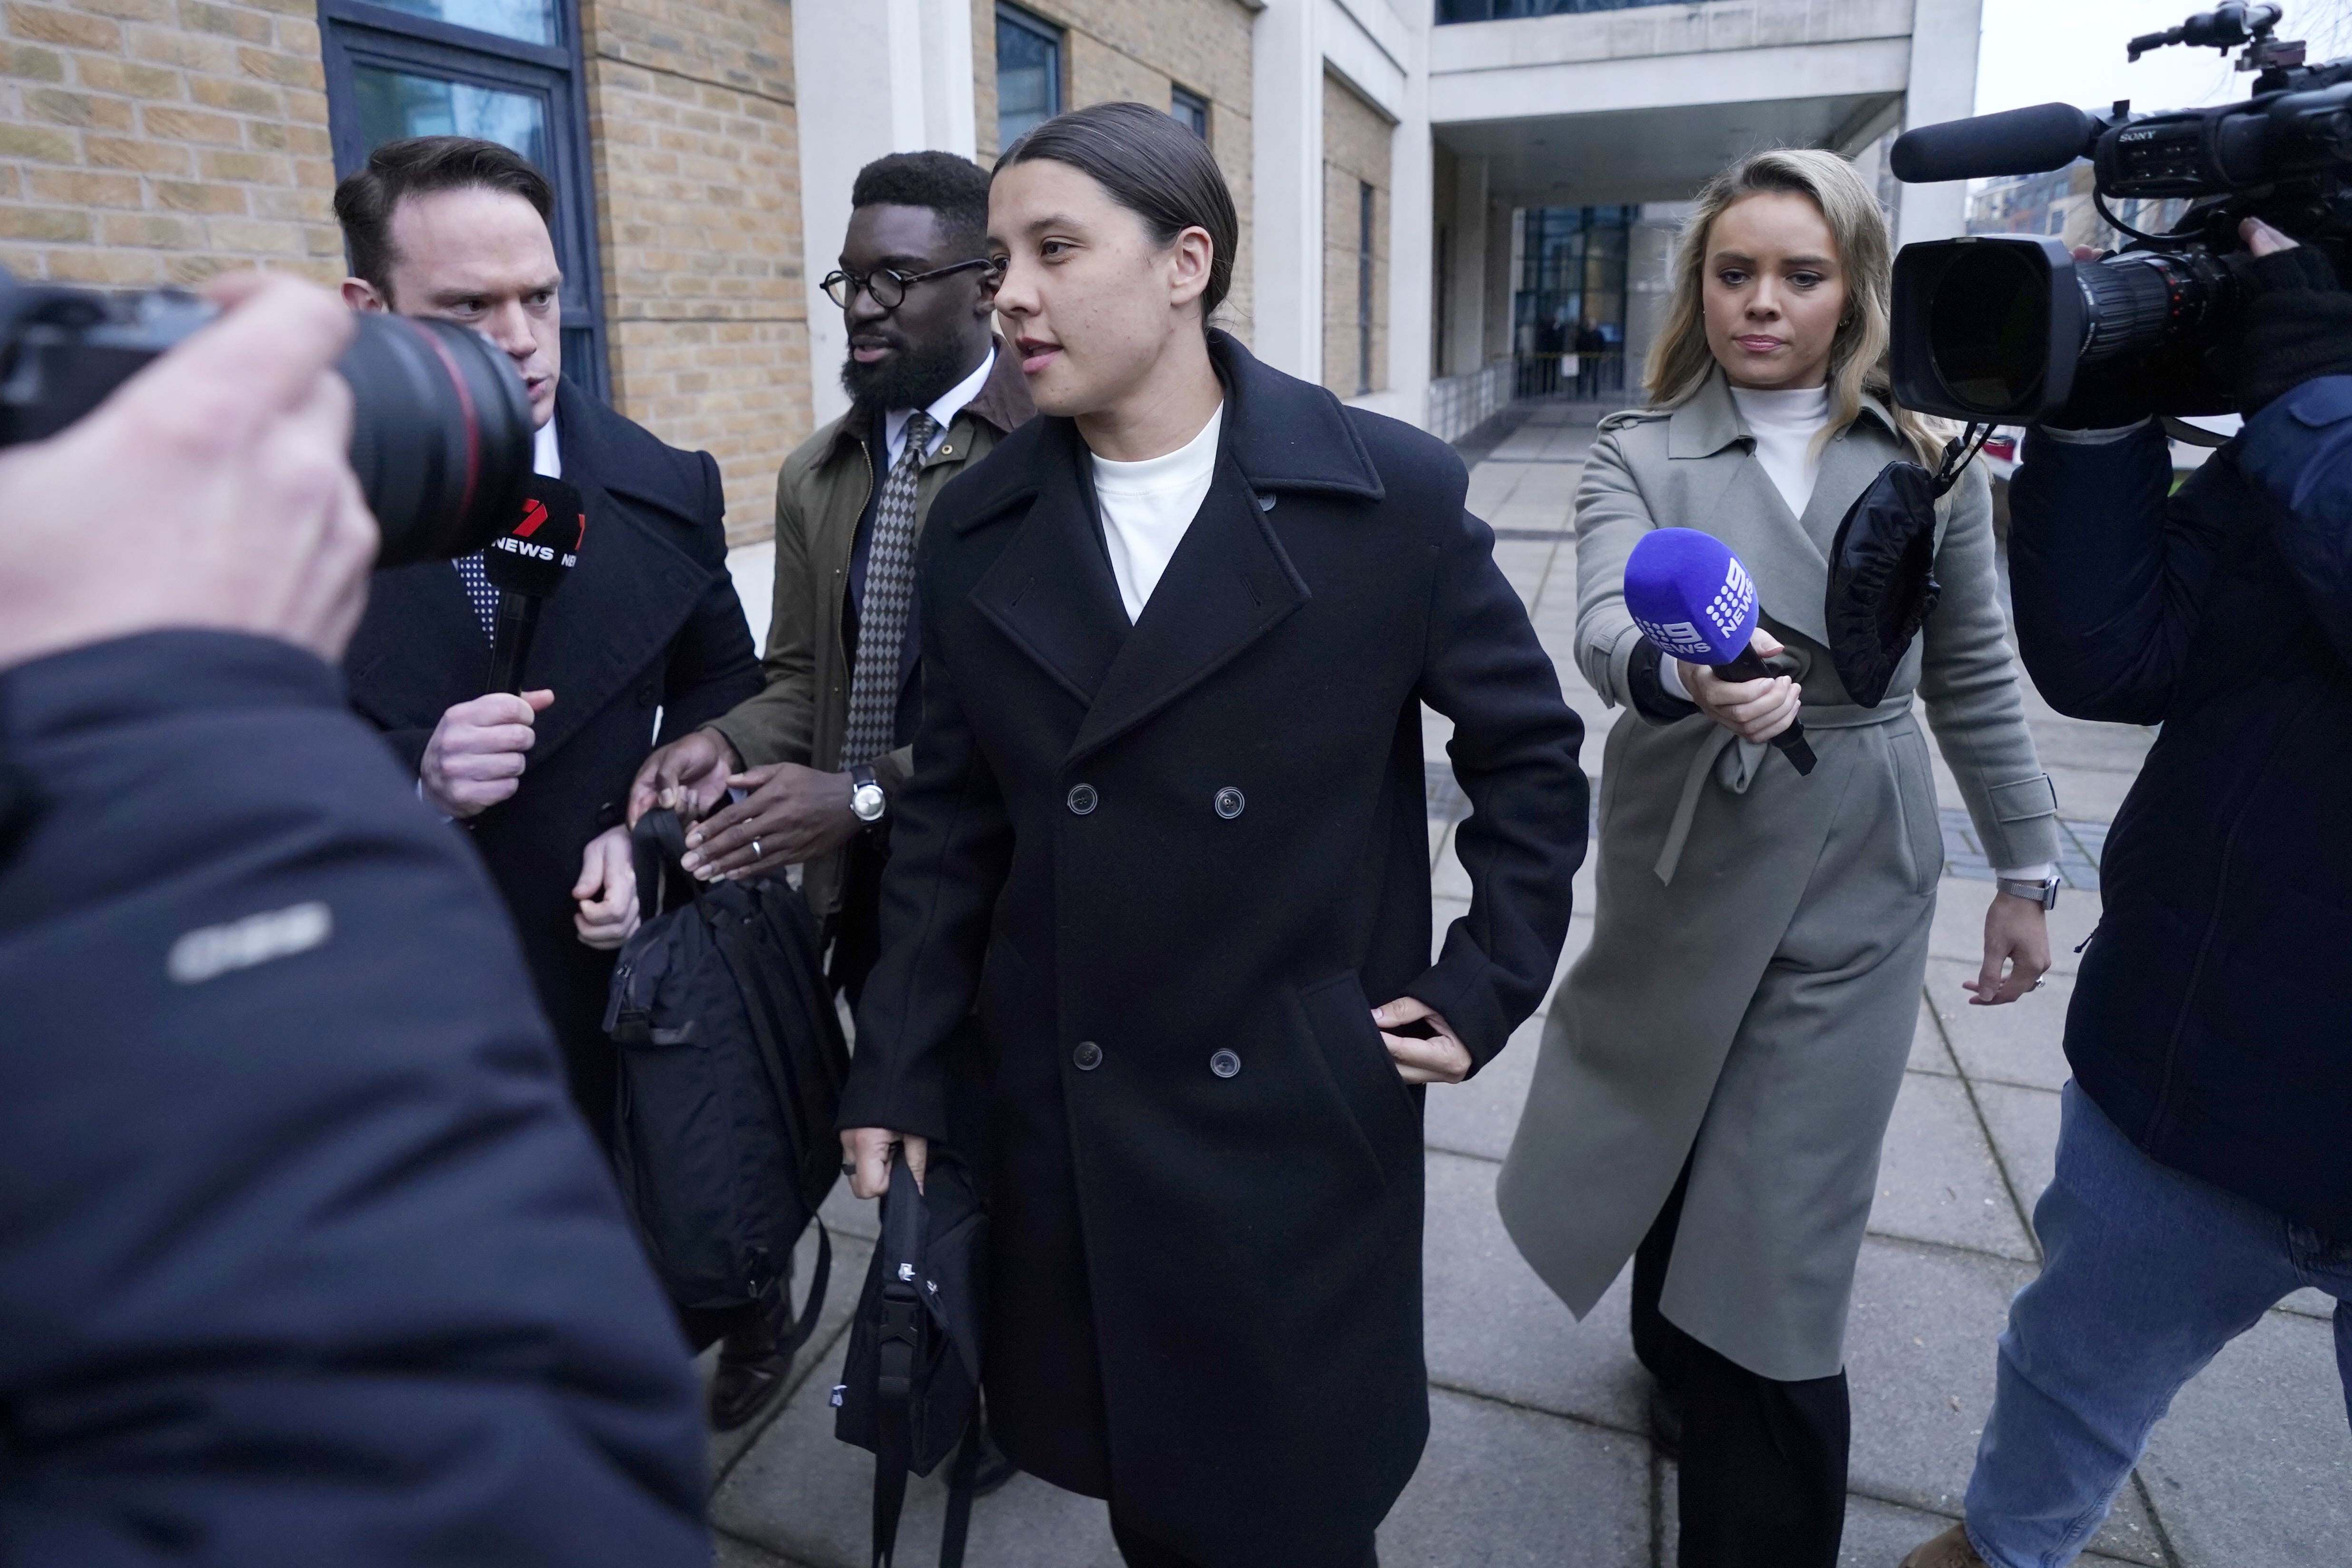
(1751,710)
(1439,1057)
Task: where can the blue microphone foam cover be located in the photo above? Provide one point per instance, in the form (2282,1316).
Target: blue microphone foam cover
(1690,595)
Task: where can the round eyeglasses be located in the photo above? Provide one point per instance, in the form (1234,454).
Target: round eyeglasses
(887,288)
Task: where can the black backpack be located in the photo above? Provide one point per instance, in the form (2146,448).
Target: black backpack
(910,1389)
(731,1066)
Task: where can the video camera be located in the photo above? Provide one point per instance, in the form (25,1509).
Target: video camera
(441,428)
(1992,328)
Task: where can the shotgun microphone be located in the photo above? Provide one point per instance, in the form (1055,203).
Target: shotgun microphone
(1695,600)
(527,564)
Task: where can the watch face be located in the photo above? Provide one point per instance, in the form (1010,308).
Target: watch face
(866,802)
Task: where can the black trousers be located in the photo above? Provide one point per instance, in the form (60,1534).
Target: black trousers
(1141,1551)
(1763,1462)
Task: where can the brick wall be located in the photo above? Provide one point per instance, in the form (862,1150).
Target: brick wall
(1139,50)
(1355,154)
(691,119)
(149,141)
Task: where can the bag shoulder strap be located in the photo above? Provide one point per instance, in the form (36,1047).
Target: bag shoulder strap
(657,844)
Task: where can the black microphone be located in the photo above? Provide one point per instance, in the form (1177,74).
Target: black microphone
(527,564)
(2019,142)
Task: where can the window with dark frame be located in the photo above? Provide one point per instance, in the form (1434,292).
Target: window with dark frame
(1028,73)
(504,70)
(1190,110)
(1364,203)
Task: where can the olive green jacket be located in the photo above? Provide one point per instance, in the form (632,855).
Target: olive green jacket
(803,712)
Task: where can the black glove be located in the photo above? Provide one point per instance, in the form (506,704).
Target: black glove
(2298,326)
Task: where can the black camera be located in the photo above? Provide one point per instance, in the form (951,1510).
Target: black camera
(441,428)
(1993,327)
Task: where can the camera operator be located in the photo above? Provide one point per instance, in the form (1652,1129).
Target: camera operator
(303,1257)
(2204,1165)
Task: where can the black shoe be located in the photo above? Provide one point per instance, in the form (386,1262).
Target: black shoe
(751,1372)
(995,1466)
(1666,1421)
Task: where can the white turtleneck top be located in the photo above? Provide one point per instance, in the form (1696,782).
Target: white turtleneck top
(1784,424)
(1147,508)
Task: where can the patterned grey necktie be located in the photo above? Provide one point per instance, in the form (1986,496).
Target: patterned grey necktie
(479,593)
(889,591)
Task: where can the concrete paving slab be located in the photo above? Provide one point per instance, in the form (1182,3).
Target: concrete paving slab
(802,1494)
(1920,1356)
(2017,1043)
(1928,1052)
(729,1553)
(1937,1180)
(2253,1465)
(1502,1487)
(1881,1534)
(2311,1304)
(1493,1328)
(2024,1123)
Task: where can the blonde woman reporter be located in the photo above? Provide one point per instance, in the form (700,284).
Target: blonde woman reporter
(1717,1070)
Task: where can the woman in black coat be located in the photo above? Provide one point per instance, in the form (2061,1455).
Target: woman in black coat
(1166,829)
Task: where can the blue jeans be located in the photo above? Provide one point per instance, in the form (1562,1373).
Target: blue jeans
(2148,1274)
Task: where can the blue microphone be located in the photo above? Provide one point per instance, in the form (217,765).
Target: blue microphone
(1694,601)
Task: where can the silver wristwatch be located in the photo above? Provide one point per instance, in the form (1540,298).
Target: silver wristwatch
(2044,893)
(866,801)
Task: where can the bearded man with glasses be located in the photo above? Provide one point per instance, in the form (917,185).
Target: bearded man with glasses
(827,744)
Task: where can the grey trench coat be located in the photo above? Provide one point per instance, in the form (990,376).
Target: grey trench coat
(1761,938)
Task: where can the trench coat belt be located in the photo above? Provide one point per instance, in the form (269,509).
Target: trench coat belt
(1740,767)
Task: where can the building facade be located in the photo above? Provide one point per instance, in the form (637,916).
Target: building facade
(1381,152)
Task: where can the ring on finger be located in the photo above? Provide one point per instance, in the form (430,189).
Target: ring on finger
(755,849)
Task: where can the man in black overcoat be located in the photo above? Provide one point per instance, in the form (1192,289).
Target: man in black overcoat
(1176,864)
(646,626)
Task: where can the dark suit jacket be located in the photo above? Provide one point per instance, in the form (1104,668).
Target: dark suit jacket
(303,1258)
(2212,1021)
(1175,866)
(647,620)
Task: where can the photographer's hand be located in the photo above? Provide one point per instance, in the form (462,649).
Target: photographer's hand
(211,489)
(2298,321)
(687,776)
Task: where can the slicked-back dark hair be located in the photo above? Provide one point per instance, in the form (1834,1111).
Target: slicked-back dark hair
(955,188)
(1153,166)
(413,167)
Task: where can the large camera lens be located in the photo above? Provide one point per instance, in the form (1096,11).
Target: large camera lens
(1988,327)
(441,436)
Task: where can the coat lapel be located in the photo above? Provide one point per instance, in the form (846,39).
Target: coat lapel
(403,672)
(1745,510)
(1051,590)
(1228,585)
(621,605)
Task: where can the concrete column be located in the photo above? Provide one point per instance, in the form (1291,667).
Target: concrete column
(1413,288)
(1286,184)
(1466,304)
(1943,86)
(872,76)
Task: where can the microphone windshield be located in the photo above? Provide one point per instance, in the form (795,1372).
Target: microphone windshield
(1690,595)
(2017,141)
(532,556)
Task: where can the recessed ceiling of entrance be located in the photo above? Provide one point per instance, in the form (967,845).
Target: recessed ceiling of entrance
(1651,154)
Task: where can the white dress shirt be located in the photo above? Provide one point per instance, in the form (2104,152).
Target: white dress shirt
(943,412)
(1148,506)
(546,456)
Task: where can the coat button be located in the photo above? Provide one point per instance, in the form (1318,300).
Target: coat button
(1083,799)
(1225,1064)
(1089,1056)
(1230,802)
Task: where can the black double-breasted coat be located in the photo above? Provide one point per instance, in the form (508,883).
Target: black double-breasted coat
(648,624)
(1174,866)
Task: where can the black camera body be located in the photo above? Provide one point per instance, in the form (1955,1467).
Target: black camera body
(1994,327)
(441,428)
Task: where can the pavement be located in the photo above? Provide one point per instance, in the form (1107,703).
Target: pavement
(1538,1450)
